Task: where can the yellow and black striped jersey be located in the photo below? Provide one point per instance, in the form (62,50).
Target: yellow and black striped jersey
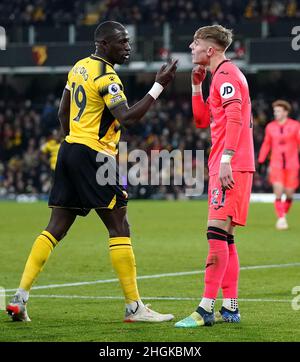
(51,148)
(95,89)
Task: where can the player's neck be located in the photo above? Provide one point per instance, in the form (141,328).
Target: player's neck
(282,121)
(102,56)
(216,61)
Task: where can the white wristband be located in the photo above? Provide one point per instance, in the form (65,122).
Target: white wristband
(156,90)
(196,88)
(226,158)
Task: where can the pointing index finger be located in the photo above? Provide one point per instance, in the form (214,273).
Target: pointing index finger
(173,64)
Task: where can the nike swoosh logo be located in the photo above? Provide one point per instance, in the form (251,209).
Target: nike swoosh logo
(207,265)
(218,207)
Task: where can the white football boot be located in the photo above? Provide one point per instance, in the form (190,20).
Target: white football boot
(282,224)
(17,309)
(144,314)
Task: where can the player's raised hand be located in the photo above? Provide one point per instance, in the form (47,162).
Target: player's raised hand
(198,75)
(166,73)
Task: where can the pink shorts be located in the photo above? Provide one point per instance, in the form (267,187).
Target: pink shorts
(233,203)
(288,178)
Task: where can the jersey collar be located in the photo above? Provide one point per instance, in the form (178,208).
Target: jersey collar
(96,57)
(218,67)
(282,124)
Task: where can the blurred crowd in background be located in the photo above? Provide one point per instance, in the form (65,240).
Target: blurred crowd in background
(27,124)
(28,116)
(143,11)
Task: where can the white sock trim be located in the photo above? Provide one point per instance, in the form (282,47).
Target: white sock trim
(207,304)
(134,306)
(230,304)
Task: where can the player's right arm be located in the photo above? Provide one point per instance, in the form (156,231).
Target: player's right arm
(64,112)
(199,106)
(128,115)
(266,146)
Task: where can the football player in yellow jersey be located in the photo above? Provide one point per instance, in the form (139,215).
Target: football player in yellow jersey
(92,109)
(51,148)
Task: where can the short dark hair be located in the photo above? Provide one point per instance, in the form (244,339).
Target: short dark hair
(106,29)
(282,103)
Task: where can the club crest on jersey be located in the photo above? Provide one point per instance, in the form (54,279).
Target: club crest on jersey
(227,90)
(114,89)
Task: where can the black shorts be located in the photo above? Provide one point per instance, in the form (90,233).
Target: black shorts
(75,183)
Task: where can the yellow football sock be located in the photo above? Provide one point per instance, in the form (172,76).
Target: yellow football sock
(40,252)
(123,261)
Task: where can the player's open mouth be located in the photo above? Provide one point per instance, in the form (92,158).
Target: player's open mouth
(126,56)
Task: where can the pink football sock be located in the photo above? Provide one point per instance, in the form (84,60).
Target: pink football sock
(279,208)
(287,205)
(231,277)
(216,263)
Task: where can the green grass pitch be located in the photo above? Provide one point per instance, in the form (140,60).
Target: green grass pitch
(168,237)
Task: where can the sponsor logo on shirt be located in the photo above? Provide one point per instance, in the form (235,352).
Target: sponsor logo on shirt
(227,90)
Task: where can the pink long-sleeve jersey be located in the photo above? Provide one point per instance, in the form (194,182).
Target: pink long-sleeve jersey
(283,141)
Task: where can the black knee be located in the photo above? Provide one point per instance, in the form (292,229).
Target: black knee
(126,227)
(119,230)
(60,222)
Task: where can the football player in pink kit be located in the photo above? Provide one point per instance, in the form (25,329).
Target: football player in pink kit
(282,138)
(231,165)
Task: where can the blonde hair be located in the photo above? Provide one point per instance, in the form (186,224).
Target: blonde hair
(284,104)
(215,33)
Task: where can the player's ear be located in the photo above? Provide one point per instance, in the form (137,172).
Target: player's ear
(210,51)
(101,44)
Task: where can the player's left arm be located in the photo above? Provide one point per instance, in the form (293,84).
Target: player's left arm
(64,112)
(266,146)
(230,93)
